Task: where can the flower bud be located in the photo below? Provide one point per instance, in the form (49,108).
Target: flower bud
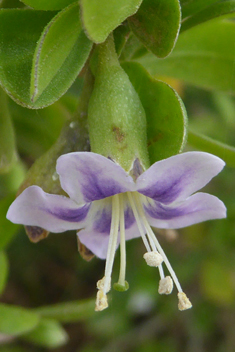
(116,117)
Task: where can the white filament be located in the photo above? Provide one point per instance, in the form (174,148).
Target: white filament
(112,241)
(136,215)
(151,235)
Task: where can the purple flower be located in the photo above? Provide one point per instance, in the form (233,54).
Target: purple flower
(110,207)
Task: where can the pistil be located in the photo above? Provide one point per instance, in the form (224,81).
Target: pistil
(122,285)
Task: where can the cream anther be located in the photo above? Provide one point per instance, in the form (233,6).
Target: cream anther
(153,258)
(165,286)
(101,301)
(184,302)
(101,283)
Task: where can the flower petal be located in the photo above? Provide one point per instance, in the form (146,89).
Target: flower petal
(52,212)
(197,208)
(95,236)
(96,242)
(87,176)
(179,176)
(132,232)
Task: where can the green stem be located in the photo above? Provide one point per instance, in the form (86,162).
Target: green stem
(207,144)
(8,154)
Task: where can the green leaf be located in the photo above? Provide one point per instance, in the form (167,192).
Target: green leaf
(73,137)
(47,4)
(157,25)
(189,7)
(165,112)
(10,182)
(59,57)
(215,10)
(3,270)
(207,144)
(48,333)
(101,17)
(11,4)
(68,312)
(7,229)
(133,49)
(8,154)
(37,130)
(16,320)
(202,57)
(19,33)
(121,35)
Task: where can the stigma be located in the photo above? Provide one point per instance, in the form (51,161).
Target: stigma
(154,255)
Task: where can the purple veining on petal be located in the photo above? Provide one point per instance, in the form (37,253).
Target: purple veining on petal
(95,188)
(129,217)
(103,222)
(87,177)
(196,208)
(159,211)
(179,176)
(70,215)
(166,191)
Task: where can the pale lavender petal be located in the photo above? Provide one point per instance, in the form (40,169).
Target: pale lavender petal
(179,176)
(197,208)
(96,242)
(55,213)
(132,232)
(96,234)
(87,176)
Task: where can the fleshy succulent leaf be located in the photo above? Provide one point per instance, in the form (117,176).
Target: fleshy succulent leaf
(157,25)
(100,18)
(165,112)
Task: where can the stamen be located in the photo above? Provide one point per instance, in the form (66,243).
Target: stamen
(135,212)
(165,286)
(101,301)
(161,272)
(101,282)
(136,215)
(121,281)
(152,244)
(112,242)
(153,258)
(184,302)
(159,248)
